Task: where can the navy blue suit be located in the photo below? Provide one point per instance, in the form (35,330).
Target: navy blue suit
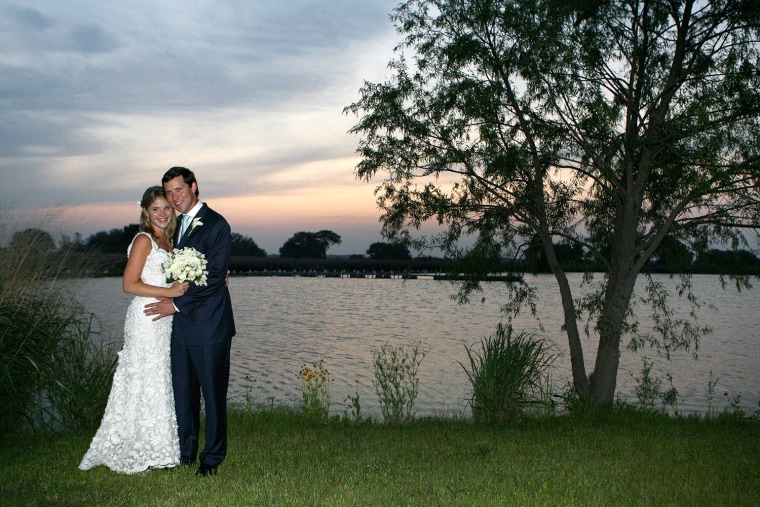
(201,339)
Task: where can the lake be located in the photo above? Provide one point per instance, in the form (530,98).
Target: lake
(286,322)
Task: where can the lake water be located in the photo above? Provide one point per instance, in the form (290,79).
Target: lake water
(286,322)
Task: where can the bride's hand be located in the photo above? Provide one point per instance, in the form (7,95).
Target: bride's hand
(177,289)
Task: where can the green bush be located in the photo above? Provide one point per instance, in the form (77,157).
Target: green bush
(52,376)
(649,391)
(508,375)
(396,381)
(80,379)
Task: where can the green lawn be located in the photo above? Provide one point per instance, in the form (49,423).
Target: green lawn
(277,458)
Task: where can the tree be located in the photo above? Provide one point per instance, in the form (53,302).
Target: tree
(309,245)
(67,244)
(606,124)
(718,261)
(385,251)
(672,255)
(113,241)
(569,255)
(32,239)
(243,245)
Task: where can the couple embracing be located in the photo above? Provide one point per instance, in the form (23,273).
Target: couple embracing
(177,340)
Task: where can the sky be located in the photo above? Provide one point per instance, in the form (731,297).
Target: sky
(98,98)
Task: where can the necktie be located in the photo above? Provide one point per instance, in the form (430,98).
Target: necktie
(185,223)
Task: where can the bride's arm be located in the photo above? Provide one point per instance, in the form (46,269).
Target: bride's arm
(131,282)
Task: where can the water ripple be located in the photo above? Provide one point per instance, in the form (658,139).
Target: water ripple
(286,322)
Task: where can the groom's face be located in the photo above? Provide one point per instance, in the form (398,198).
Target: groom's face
(180,194)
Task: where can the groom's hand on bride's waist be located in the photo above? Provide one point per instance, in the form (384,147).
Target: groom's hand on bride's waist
(161,308)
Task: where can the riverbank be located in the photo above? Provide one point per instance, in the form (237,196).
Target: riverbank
(93,264)
(278,458)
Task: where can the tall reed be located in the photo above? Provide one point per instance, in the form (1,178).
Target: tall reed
(508,375)
(52,375)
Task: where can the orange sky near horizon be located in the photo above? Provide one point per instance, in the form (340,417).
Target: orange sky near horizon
(347,208)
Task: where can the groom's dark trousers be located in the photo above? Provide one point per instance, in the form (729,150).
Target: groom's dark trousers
(195,370)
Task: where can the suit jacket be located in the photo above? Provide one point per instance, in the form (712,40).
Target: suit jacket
(205,312)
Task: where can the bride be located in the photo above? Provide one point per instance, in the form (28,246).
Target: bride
(139,428)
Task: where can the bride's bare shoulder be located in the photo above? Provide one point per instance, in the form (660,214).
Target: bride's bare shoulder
(142,241)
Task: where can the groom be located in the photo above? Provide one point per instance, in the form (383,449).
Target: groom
(203,326)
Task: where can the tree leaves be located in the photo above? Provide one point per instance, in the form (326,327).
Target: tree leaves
(607,125)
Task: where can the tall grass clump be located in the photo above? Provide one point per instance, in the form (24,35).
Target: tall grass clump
(51,374)
(508,375)
(396,381)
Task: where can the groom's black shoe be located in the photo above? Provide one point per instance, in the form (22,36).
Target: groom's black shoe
(206,470)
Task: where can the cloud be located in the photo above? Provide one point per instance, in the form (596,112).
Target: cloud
(93,39)
(27,17)
(98,99)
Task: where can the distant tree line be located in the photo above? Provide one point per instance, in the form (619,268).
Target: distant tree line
(116,241)
(302,245)
(672,257)
(308,250)
(303,248)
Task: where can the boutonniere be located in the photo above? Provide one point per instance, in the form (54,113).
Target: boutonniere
(195,223)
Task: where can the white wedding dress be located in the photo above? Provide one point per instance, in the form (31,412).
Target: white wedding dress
(139,427)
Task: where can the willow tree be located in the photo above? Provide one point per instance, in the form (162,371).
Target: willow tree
(607,124)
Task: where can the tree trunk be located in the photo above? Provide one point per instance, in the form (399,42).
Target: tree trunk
(617,297)
(610,325)
(577,362)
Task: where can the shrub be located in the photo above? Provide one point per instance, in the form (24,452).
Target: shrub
(649,392)
(80,378)
(508,374)
(396,381)
(51,374)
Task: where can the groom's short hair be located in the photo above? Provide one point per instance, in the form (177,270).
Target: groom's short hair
(187,176)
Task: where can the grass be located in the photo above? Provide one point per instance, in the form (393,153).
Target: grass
(52,374)
(277,457)
(508,375)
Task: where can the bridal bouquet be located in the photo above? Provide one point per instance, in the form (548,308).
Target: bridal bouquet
(186,265)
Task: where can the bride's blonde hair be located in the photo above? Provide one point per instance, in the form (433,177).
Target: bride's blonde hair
(150,195)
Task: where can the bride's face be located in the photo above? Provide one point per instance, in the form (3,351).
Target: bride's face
(160,213)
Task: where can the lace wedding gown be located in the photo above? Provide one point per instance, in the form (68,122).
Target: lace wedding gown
(139,427)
